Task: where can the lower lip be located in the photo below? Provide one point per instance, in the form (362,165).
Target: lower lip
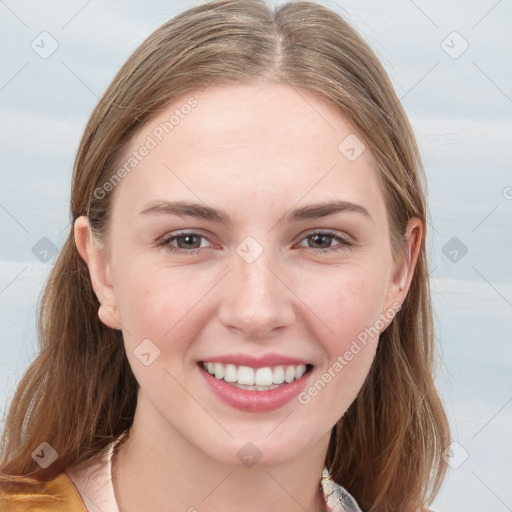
(254,401)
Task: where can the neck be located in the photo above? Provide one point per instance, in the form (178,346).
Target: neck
(155,468)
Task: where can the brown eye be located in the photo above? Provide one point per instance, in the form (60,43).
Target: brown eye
(189,241)
(319,238)
(186,242)
(320,241)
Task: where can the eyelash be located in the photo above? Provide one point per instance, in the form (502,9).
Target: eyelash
(345,242)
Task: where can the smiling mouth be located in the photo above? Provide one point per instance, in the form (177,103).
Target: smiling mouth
(255,379)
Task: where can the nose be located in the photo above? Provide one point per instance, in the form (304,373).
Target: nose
(257,298)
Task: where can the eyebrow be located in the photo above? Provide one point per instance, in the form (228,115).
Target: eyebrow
(312,211)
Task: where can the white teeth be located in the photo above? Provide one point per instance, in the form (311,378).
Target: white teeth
(259,379)
(278,377)
(300,370)
(263,377)
(246,375)
(289,374)
(230,373)
(255,388)
(219,370)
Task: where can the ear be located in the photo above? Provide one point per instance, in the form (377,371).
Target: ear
(98,263)
(403,272)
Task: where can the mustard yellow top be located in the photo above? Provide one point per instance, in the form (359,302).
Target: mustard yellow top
(58,495)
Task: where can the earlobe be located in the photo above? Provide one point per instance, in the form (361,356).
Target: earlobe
(109,317)
(99,272)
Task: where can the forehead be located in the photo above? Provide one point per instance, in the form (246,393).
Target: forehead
(253,115)
(268,140)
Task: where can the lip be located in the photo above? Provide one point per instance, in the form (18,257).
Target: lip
(256,362)
(253,401)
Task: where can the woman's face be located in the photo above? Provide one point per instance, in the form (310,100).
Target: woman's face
(248,270)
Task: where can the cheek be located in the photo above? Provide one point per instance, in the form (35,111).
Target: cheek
(165,306)
(347,302)
(349,306)
(158,319)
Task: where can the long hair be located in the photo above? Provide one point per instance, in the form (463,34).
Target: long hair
(80,393)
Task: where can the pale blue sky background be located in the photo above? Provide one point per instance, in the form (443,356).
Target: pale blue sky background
(460,108)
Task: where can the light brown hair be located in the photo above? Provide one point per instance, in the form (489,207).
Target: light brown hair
(80,393)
